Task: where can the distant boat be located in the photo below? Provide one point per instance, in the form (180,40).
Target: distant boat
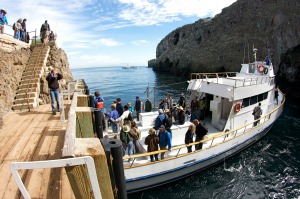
(129,67)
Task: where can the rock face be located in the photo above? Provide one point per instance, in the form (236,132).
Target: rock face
(57,59)
(12,65)
(225,41)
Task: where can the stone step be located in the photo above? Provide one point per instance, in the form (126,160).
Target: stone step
(25,86)
(24,90)
(23,107)
(37,57)
(31,72)
(35,60)
(24,100)
(26,77)
(32,64)
(32,80)
(23,95)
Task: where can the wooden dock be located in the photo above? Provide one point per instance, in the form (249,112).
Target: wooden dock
(33,136)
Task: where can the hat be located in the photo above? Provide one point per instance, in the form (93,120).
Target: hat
(126,128)
(180,108)
(137,97)
(160,111)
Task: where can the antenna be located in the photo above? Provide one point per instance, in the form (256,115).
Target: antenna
(255,51)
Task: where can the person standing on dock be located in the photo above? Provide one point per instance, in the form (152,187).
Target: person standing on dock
(200,132)
(114,115)
(138,107)
(53,78)
(257,112)
(99,101)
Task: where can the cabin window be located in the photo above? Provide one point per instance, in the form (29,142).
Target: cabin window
(246,102)
(261,97)
(266,95)
(253,100)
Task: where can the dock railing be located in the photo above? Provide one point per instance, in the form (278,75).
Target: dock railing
(225,135)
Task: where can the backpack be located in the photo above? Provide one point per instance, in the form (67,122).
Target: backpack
(167,122)
(44,27)
(14,26)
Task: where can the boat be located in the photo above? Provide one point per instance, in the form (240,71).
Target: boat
(231,98)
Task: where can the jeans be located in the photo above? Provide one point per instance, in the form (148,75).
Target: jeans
(54,94)
(114,127)
(23,33)
(257,122)
(17,34)
(202,114)
(194,114)
(127,146)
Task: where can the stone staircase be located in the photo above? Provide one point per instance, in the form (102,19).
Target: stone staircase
(27,94)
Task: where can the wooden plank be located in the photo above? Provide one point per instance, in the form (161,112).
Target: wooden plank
(82,101)
(80,181)
(84,124)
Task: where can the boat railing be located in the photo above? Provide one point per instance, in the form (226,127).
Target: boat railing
(229,80)
(235,132)
(212,75)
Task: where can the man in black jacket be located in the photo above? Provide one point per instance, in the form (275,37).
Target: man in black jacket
(53,85)
(200,132)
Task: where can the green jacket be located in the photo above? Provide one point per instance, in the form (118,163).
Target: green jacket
(125,137)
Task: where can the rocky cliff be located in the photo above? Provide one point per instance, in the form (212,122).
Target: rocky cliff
(13,60)
(224,42)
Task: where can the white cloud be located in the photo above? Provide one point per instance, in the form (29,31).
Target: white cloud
(98,60)
(107,42)
(140,42)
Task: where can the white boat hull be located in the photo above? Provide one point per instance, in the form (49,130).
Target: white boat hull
(148,176)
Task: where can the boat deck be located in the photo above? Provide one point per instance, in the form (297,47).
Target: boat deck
(33,136)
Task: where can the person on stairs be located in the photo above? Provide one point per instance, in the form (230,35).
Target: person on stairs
(53,85)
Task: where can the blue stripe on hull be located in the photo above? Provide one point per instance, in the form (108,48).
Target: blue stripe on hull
(190,169)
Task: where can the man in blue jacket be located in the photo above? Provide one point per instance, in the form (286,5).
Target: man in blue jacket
(165,139)
(53,85)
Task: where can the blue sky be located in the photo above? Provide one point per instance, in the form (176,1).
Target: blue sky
(97,33)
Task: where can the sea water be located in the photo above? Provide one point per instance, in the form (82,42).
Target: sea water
(270,168)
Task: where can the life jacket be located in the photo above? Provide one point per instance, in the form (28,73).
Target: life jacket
(100,102)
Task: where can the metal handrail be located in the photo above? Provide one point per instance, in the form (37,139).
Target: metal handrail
(25,34)
(220,134)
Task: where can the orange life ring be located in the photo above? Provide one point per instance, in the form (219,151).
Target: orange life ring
(237,108)
(261,69)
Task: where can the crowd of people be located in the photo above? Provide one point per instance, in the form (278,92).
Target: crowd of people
(160,136)
(20,31)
